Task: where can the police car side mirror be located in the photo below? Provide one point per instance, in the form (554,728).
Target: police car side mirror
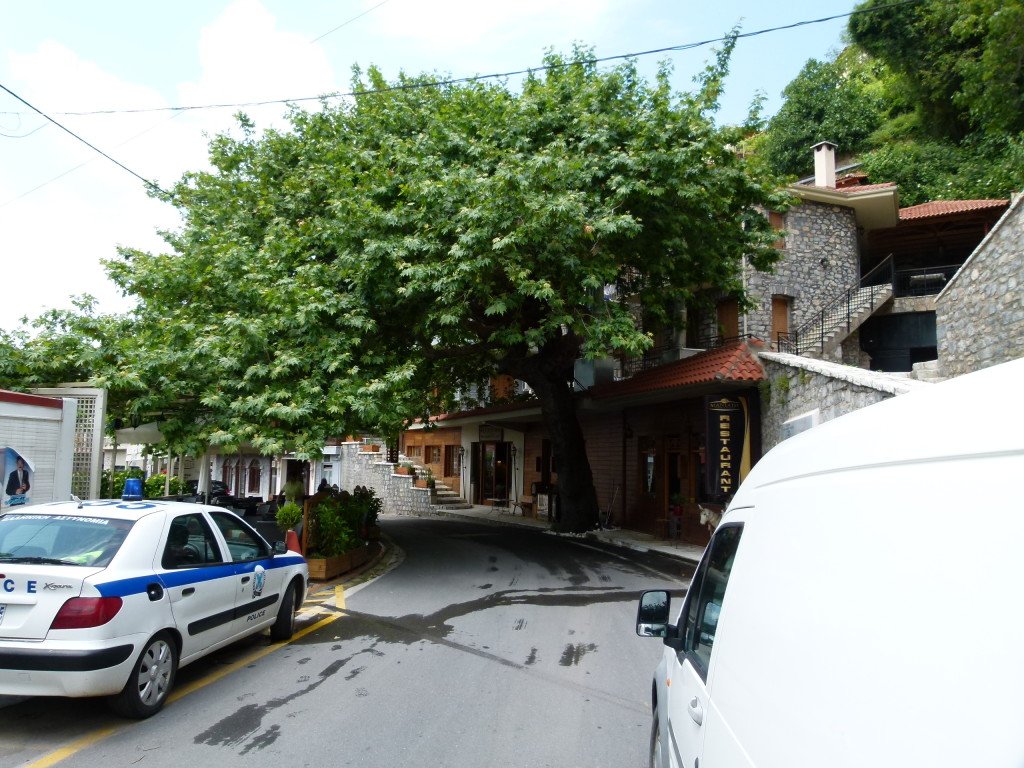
(280,547)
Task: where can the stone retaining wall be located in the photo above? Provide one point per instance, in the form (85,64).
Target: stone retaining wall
(796,385)
(979,315)
(399,494)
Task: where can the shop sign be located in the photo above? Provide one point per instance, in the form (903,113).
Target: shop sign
(728,444)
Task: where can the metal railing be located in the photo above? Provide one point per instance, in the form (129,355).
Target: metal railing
(926,281)
(875,286)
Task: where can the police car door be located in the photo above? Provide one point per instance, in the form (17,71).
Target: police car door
(689,703)
(258,584)
(199,582)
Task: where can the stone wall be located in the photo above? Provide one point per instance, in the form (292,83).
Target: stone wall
(820,261)
(398,493)
(797,385)
(979,315)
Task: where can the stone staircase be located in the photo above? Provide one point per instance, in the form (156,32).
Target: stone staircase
(443,498)
(834,324)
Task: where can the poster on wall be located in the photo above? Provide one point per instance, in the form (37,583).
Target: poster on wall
(17,474)
(728,445)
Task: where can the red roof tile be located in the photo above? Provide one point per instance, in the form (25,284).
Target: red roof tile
(854,189)
(736,361)
(946,207)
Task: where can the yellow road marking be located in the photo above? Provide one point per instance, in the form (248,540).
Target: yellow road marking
(65,752)
(339,598)
(87,741)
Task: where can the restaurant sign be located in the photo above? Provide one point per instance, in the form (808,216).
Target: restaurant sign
(728,444)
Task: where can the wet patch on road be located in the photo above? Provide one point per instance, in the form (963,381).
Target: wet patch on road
(573,654)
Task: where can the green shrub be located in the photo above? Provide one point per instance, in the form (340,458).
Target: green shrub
(154,486)
(288,515)
(113,482)
(331,531)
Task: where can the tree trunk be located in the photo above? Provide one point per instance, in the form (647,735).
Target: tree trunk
(549,374)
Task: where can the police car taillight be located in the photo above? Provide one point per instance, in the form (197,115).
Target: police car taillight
(85,612)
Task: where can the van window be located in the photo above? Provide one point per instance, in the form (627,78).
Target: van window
(707,592)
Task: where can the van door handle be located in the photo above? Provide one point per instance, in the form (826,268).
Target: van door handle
(245,579)
(696,711)
(188,591)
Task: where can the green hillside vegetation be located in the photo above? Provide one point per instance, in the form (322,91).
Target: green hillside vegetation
(929,95)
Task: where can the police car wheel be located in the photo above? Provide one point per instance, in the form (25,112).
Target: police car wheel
(284,627)
(150,681)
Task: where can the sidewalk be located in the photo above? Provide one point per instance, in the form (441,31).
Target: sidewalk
(618,537)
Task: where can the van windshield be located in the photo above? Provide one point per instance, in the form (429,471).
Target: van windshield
(61,539)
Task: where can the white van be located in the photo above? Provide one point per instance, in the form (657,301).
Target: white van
(862,601)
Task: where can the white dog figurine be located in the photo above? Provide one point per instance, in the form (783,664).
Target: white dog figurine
(710,517)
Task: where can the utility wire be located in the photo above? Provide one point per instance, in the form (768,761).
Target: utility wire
(497,75)
(93,147)
(346,23)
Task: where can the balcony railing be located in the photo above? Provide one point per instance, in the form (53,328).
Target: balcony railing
(926,281)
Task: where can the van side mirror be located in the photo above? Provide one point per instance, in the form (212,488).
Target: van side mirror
(280,548)
(653,613)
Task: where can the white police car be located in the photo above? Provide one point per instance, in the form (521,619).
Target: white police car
(109,598)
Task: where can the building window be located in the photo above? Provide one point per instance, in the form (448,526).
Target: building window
(433,454)
(778,221)
(254,476)
(415,451)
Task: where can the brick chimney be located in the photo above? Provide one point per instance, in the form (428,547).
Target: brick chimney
(825,164)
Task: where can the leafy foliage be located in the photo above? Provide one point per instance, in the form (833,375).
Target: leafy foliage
(930,95)
(844,100)
(361,268)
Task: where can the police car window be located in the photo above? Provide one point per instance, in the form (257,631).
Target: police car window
(707,593)
(61,539)
(243,543)
(190,543)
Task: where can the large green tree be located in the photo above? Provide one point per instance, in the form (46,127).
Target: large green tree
(386,252)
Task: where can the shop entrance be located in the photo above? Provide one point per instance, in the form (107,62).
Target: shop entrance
(491,472)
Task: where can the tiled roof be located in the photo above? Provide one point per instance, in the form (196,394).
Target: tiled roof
(736,361)
(855,189)
(946,207)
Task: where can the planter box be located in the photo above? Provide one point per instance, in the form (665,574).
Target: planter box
(403,470)
(324,568)
(370,448)
(421,483)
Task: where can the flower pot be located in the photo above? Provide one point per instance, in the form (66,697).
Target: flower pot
(370,448)
(403,470)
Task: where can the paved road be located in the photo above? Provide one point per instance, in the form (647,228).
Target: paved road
(486,645)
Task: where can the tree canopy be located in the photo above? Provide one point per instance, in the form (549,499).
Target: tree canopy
(384,253)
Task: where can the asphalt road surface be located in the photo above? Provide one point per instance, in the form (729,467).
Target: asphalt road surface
(478,645)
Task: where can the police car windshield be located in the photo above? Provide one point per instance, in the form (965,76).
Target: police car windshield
(61,539)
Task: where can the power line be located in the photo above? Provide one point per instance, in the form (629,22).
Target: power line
(93,147)
(349,21)
(494,75)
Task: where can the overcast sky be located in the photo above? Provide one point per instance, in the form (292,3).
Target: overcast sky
(63,206)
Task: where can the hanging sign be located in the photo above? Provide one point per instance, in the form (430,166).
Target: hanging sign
(728,444)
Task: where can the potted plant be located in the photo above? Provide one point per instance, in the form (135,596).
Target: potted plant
(288,515)
(333,542)
(426,480)
(405,468)
(370,448)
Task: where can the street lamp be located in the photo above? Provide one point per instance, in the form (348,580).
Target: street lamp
(515,488)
